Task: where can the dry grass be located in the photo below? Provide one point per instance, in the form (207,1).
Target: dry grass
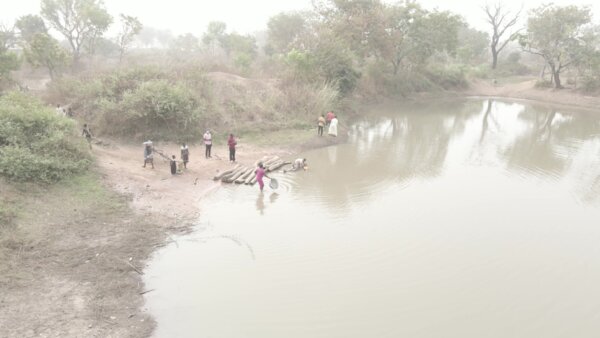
(63,269)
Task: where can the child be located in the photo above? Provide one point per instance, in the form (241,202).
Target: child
(185,154)
(173,166)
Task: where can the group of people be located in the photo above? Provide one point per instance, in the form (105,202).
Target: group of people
(231,144)
(185,151)
(329,120)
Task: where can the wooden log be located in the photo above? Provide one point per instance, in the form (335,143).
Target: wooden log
(275,165)
(228,178)
(279,165)
(251,176)
(236,176)
(271,161)
(225,172)
(242,178)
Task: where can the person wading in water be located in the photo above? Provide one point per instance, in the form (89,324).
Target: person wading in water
(260,173)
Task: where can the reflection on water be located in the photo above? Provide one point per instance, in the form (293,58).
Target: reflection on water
(474,218)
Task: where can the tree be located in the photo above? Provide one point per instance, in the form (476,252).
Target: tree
(562,36)
(215,34)
(239,44)
(30,25)
(130,27)
(283,30)
(44,51)
(502,20)
(472,44)
(81,22)
(187,43)
(39,48)
(9,60)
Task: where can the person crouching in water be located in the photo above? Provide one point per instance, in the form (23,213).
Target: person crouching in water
(185,154)
(260,173)
(231,142)
(299,163)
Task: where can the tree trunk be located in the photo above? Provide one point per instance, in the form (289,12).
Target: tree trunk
(556,77)
(494,58)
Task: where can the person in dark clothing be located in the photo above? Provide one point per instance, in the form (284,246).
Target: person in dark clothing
(87,132)
(173,166)
(231,142)
(185,154)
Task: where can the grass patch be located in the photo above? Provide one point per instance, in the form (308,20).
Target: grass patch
(283,138)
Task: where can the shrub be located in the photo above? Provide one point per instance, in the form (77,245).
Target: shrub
(140,102)
(35,143)
(447,76)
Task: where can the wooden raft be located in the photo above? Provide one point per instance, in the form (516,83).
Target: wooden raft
(241,174)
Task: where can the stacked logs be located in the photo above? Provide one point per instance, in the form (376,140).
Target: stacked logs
(247,175)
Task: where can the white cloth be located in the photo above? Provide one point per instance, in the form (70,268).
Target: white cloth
(298,164)
(207,138)
(333,127)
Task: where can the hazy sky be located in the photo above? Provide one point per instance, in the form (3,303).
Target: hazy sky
(243,16)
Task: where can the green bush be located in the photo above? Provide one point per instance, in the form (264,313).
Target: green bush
(139,103)
(447,76)
(35,143)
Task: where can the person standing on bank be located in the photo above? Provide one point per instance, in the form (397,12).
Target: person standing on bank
(333,127)
(185,154)
(321,124)
(330,116)
(173,165)
(231,142)
(208,143)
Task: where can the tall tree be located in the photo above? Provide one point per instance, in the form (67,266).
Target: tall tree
(130,27)
(9,60)
(42,50)
(39,47)
(503,22)
(215,34)
(30,25)
(283,29)
(81,22)
(562,36)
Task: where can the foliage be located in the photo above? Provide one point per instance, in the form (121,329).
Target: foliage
(130,27)
(139,102)
(472,45)
(42,50)
(29,26)
(215,33)
(9,60)
(283,30)
(35,143)
(186,43)
(81,22)
(560,35)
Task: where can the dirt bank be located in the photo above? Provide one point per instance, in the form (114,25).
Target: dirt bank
(526,90)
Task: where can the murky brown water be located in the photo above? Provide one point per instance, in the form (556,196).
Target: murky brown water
(452,219)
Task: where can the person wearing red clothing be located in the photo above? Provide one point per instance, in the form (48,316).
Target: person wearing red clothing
(231,142)
(330,116)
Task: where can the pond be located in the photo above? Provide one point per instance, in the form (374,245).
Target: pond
(462,218)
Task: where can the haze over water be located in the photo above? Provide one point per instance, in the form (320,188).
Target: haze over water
(474,218)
